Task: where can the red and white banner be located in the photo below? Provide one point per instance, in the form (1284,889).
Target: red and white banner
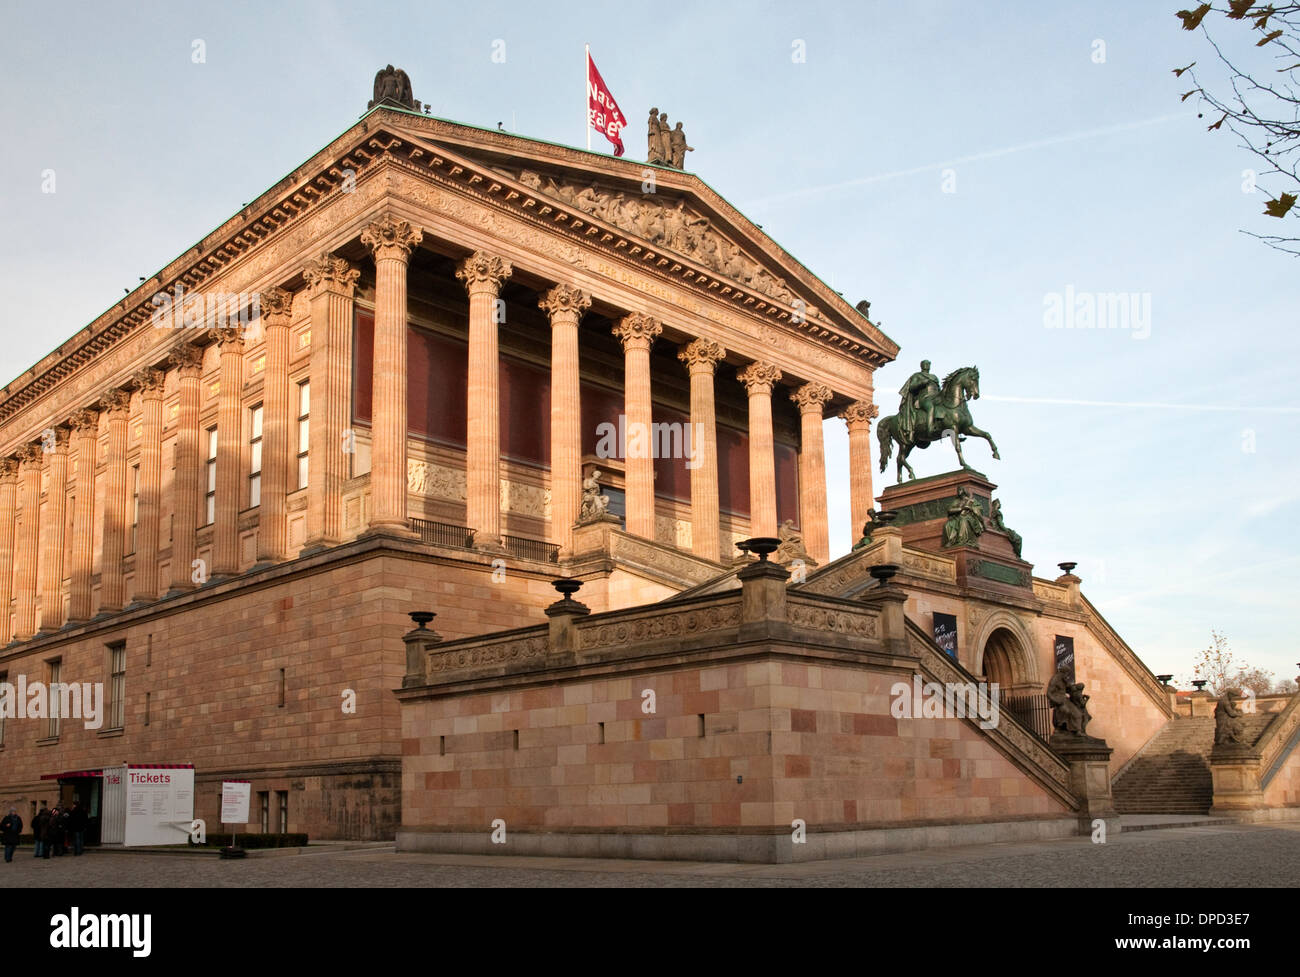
(603,112)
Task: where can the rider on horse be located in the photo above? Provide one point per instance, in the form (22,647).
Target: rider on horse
(918,399)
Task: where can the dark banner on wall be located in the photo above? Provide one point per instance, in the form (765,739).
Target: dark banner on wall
(1064,655)
(945,633)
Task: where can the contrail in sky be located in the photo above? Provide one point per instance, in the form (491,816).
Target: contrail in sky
(974,157)
(1214,408)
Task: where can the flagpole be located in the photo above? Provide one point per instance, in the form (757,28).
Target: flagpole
(586,104)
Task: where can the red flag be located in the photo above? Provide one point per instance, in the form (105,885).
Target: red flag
(603,112)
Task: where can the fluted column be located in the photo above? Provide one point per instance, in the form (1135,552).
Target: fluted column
(759,378)
(861,500)
(149,511)
(187,361)
(565,305)
(85,446)
(277,427)
(811,399)
(702,357)
(112,582)
(483,275)
(638,332)
(391,241)
(55,450)
(225,529)
(331,282)
(8,531)
(29,493)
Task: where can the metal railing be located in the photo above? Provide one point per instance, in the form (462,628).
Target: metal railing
(1032,709)
(458,537)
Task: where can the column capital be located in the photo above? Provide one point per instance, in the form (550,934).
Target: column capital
(277,306)
(150,382)
(229,337)
(8,470)
(484,272)
(85,422)
(186,360)
(115,402)
(565,298)
(637,330)
(702,355)
(391,237)
(328,272)
(811,397)
(30,455)
(859,413)
(759,378)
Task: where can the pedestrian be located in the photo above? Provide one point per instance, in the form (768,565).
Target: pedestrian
(40,830)
(77,827)
(10,829)
(57,830)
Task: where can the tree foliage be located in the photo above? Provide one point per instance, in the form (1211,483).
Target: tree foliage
(1260,99)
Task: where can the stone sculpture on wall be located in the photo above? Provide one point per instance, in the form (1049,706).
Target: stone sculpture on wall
(671,226)
(1227,721)
(594,507)
(1069,704)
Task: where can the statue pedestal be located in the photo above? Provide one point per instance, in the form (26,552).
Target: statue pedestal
(1235,771)
(922,505)
(1089,760)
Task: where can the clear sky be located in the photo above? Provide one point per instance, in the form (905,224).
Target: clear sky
(1160,458)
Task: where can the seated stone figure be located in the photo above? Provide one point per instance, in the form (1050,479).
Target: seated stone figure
(1227,721)
(594,506)
(1069,710)
(791,547)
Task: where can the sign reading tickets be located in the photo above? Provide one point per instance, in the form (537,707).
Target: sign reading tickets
(945,633)
(1063,655)
(235,795)
(147,804)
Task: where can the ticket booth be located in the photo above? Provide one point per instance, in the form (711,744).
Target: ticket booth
(147,804)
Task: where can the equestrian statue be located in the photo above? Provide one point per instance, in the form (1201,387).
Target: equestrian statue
(931,410)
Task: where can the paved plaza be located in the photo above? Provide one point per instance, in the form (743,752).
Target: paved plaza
(1217,856)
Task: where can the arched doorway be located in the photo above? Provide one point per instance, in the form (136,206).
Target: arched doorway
(1007,658)
(1000,657)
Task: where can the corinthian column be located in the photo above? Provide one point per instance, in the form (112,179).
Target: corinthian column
(112,584)
(811,399)
(759,379)
(858,418)
(565,304)
(277,422)
(147,531)
(187,361)
(85,444)
(483,275)
(225,529)
(331,283)
(638,332)
(391,241)
(702,357)
(29,490)
(55,449)
(8,529)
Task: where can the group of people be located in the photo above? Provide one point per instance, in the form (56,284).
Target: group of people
(56,830)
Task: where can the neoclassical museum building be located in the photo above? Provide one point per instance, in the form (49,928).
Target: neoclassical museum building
(379,389)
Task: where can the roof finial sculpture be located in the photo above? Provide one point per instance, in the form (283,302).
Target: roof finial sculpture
(393,87)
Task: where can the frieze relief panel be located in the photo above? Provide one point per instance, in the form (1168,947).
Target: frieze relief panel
(1051,592)
(424,478)
(929,566)
(511,652)
(716,617)
(818,617)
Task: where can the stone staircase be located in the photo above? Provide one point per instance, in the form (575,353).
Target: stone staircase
(1172,775)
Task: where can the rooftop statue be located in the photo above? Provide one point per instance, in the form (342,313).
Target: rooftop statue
(929,410)
(392,86)
(995,520)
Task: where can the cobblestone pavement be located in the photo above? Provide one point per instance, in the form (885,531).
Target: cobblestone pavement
(1214,857)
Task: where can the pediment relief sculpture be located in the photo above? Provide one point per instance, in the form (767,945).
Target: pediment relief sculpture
(669,225)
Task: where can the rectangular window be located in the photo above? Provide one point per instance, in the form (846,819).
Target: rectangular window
(264,800)
(4,677)
(304,414)
(135,507)
(56,673)
(210,514)
(282,807)
(255,458)
(116,685)
(282,688)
